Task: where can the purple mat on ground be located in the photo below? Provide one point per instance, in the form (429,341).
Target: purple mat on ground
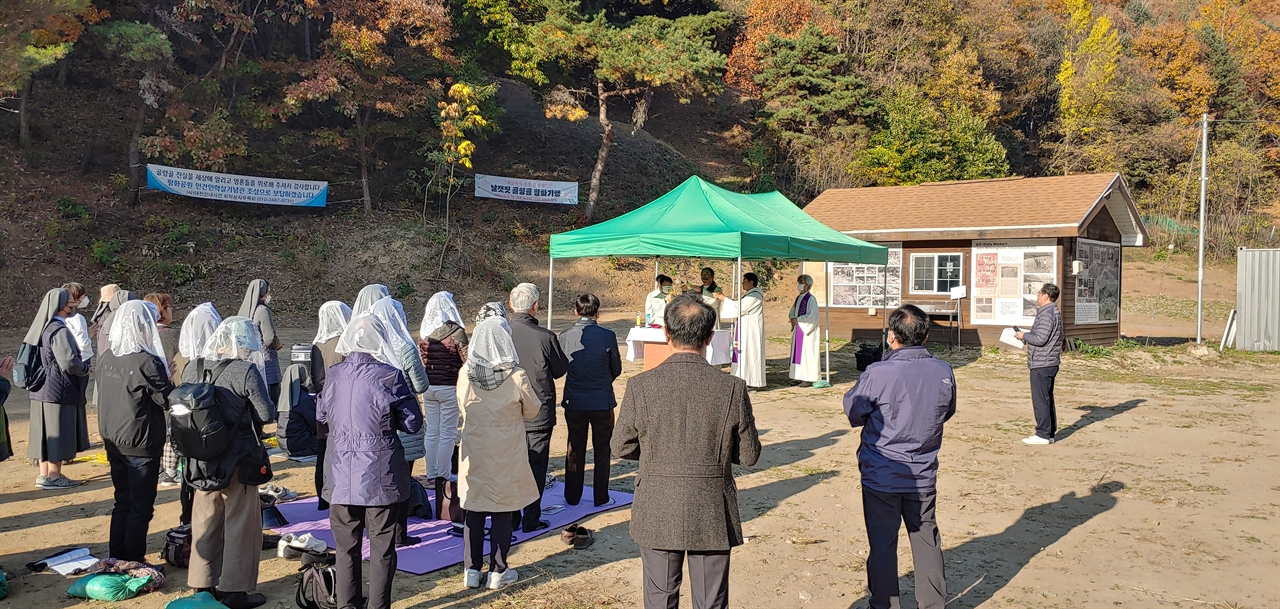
(439,550)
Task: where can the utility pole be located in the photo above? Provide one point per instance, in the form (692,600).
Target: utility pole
(1204,181)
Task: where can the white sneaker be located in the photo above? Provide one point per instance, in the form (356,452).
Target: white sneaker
(307,543)
(285,548)
(472,578)
(1037,441)
(497,581)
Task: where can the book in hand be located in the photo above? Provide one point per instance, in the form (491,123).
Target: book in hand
(1007,337)
(65,562)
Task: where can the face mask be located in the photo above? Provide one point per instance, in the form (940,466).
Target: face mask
(666,289)
(84,303)
(800,287)
(267,300)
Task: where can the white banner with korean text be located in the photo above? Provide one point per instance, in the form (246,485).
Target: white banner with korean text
(242,189)
(531,191)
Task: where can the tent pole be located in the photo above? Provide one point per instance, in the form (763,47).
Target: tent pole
(827,312)
(551,283)
(884,309)
(737,321)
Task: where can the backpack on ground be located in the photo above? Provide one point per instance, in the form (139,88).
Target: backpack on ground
(177,546)
(196,422)
(28,368)
(318,588)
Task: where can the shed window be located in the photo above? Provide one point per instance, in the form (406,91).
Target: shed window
(935,273)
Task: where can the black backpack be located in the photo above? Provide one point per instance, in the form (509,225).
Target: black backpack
(318,588)
(199,431)
(28,368)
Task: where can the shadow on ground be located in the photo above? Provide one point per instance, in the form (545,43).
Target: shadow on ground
(981,567)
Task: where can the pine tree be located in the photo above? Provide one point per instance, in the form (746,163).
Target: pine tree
(808,86)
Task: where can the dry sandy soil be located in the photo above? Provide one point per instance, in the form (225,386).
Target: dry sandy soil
(1163,491)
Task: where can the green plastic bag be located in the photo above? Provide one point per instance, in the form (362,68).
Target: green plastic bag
(4,586)
(108,586)
(199,600)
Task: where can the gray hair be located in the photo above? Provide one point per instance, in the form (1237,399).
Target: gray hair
(807,280)
(524,297)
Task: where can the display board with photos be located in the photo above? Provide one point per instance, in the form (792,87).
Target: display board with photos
(1007,276)
(1098,284)
(863,285)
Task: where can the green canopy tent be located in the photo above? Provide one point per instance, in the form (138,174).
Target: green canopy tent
(698,219)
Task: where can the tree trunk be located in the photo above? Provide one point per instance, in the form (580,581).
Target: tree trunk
(362,121)
(606,141)
(24,123)
(63,66)
(306,35)
(135,157)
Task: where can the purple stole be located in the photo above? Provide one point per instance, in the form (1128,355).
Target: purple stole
(797,338)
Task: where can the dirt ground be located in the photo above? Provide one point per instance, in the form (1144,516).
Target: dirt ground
(1162,491)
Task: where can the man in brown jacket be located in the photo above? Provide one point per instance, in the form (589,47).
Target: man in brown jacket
(686,502)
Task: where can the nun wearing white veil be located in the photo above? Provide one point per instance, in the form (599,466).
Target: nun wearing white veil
(368,295)
(133,392)
(334,317)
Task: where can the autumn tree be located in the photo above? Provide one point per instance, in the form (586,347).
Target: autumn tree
(376,62)
(1176,56)
(1087,89)
(144,56)
(916,142)
(629,60)
(766,19)
(35,34)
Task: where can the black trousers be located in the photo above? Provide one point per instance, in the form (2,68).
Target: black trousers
(349,524)
(600,423)
(885,513)
(1042,401)
(499,540)
(134,479)
(321,446)
(539,453)
(708,578)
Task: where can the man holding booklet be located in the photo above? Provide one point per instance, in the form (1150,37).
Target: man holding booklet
(1044,353)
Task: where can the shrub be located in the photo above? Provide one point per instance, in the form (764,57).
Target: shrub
(106,253)
(1088,350)
(70,209)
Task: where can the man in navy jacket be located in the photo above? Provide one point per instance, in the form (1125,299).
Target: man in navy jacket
(594,363)
(900,404)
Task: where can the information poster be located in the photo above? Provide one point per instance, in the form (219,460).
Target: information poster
(1007,276)
(863,285)
(1098,284)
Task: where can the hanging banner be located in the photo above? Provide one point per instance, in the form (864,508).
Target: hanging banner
(532,191)
(1098,284)
(241,189)
(1007,276)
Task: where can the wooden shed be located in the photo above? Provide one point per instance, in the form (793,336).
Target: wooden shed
(999,239)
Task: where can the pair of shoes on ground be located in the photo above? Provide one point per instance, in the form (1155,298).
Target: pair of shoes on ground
(293,546)
(169,480)
(56,484)
(279,493)
(495,581)
(1037,441)
(579,537)
(236,600)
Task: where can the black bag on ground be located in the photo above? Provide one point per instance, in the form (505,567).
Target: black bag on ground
(28,369)
(419,504)
(196,423)
(318,588)
(177,546)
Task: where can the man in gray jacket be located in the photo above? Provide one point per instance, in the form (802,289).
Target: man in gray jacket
(1044,353)
(687,423)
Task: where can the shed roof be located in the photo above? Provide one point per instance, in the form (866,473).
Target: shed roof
(1002,208)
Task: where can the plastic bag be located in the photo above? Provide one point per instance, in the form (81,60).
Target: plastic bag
(199,600)
(108,586)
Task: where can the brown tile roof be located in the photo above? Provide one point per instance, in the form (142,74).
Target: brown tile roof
(1000,208)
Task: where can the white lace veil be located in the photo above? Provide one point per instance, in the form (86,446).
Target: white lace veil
(491,346)
(440,309)
(368,295)
(133,330)
(196,330)
(236,338)
(334,316)
(366,334)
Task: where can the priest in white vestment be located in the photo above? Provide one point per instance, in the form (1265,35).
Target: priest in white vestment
(655,304)
(748,358)
(806,364)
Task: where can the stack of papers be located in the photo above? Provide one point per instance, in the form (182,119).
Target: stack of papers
(1007,337)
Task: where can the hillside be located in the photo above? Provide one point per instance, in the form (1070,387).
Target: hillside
(58,224)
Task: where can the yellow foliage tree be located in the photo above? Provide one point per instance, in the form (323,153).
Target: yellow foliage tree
(1087,86)
(1177,59)
(958,81)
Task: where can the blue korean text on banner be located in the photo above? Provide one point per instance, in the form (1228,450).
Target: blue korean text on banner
(241,189)
(532,191)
